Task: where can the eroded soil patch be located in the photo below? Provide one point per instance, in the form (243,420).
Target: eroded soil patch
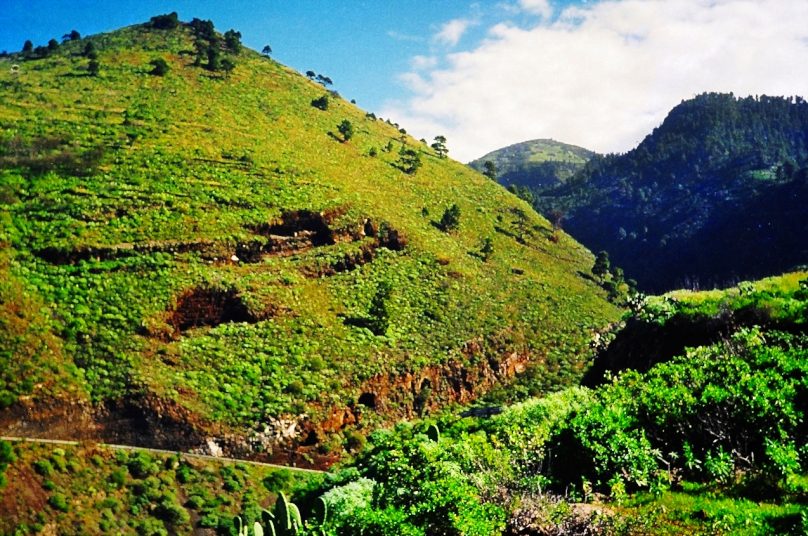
(209,306)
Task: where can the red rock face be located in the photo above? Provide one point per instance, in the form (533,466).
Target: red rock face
(152,421)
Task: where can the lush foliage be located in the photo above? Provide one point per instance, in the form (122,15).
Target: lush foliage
(94,490)
(724,422)
(713,194)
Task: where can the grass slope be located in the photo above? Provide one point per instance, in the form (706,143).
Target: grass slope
(126,197)
(90,489)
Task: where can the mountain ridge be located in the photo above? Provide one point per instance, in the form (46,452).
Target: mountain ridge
(721,175)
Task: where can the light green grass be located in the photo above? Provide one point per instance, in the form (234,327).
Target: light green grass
(197,158)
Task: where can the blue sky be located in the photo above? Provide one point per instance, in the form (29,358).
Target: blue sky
(597,73)
(361,45)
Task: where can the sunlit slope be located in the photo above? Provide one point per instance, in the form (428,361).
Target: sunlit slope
(214,240)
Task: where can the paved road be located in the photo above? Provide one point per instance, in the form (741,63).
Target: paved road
(159,451)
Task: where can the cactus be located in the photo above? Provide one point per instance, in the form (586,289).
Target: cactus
(295,520)
(433,433)
(319,511)
(284,521)
(241,529)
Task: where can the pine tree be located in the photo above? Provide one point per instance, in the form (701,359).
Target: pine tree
(602,265)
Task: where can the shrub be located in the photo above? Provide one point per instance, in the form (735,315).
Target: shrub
(409,160)
(346,128)
(321,103)
(278,481)
(7,455)
(450,219)
(58,501)
(44,468)
(170,511)
(159,67)
(141,465)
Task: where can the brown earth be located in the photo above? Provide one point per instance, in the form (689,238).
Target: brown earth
(151,421)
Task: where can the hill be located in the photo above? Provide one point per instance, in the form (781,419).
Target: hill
(205,249)
(535,164)
(713,195)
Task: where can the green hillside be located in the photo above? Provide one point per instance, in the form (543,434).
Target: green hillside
(714,195)
(708,440)
(203,254)
(535,164)
(711,441)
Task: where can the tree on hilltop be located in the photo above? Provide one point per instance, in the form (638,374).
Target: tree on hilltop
(266,51)
(440,146)
(165,22)
(232,41)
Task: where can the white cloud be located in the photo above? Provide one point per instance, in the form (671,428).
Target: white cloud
(451,32)
(537,7)
(605,75)
(423,62)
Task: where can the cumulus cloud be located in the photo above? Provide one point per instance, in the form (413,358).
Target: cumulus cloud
(451,32)
(604,75)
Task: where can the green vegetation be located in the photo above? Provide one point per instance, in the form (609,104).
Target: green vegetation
(346,129)
(201,241)
(198,250)
(94,490)
(450,220)
(711,441)
(713,194)
(160,67)
(321,103)
(409,160)
(489,169)
(533,165)
(6,457)
(165,22)
(439,146)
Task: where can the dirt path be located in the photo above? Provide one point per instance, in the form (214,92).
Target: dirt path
(159,451)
